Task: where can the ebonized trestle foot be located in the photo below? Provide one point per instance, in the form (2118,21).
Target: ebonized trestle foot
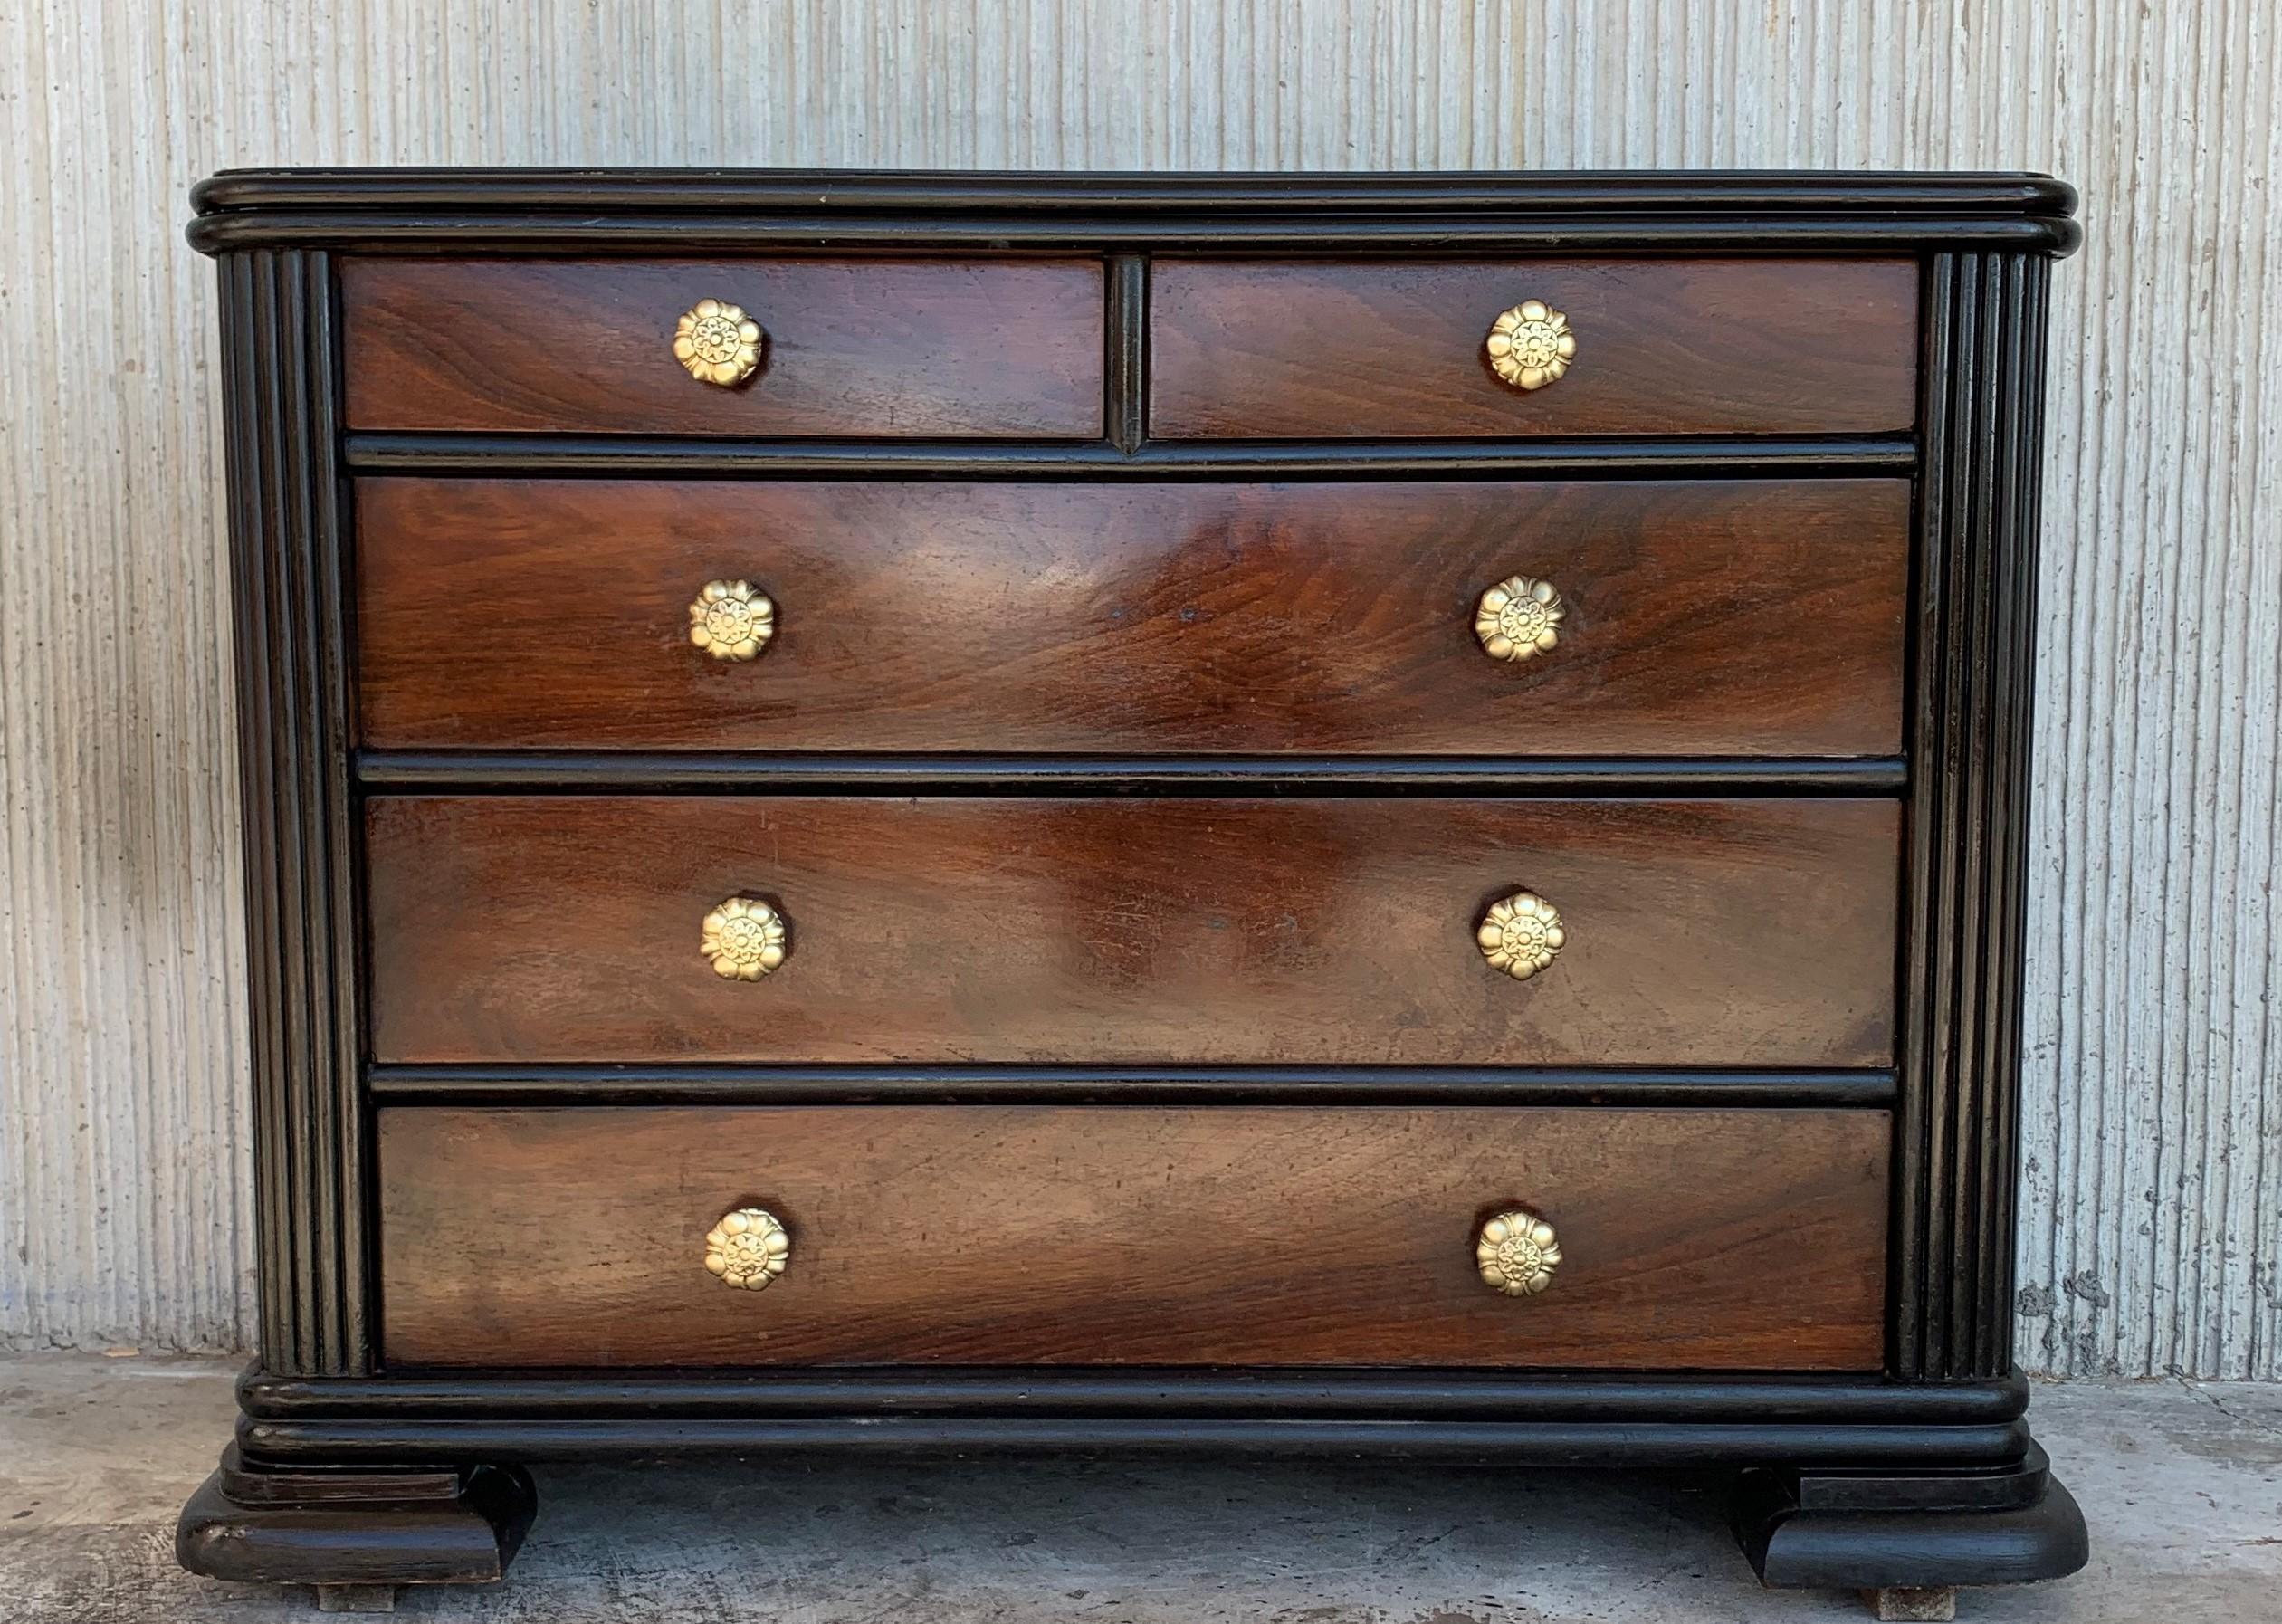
(1908,1540)
(356,1533)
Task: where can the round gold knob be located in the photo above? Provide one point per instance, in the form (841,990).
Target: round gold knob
(745,937)
(718,342)
(1520,934)
(1531,345)
(1516,1253)
(748,1250)
(730,620)
(1516,617)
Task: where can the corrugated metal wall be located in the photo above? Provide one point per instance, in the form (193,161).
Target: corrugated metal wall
(2154,1127)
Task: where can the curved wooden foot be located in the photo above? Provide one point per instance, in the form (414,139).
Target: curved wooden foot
(356,1532)
(1908,1537)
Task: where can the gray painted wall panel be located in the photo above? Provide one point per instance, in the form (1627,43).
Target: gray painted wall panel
(2153,1130)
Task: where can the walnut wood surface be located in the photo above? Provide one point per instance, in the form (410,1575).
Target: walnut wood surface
(1663,347)
(854,346)
(950,929)
(1712,618)
(1691,1239)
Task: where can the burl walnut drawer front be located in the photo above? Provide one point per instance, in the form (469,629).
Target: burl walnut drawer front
(1709,618)
(1679,1239)
(853,347)
(1132,930)
(1298,351)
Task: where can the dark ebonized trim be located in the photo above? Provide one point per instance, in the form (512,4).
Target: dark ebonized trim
(568,211)
(630,456)
(491,1435)
(634,772)
(928,193)
(1073,1391)
(1125,385)
(1965,851)
(301,836)
(1565,1418)
(593,1085)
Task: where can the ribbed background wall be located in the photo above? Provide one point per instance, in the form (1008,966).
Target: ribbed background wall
(2154,1126)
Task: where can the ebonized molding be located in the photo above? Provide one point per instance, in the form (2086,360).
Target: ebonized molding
(539,211)
(1965,851)
(1126,455)
(1126,1085)
(301,824)
(693,772)
(1542,1416)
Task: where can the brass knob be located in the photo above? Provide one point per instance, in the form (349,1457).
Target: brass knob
(1531,345)
(1520,934)
(730,620)
(748,1250)
(745,937)
(1516,1253)
(1516,617)
(718,343)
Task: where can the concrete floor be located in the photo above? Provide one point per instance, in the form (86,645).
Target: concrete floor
(2182,1486)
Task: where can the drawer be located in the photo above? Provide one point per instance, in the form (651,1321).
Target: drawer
(970,1235)
(1278,350)
(852,347)
(1707,619)
(1147,930)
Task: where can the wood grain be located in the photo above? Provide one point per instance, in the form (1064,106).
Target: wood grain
(1691,1239)
(1663,347)
(1151,930)
(1709,619)
(861,347)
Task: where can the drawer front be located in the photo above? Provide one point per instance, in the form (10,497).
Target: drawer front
(853,347)
(1688,1239)
(1662,347)
(1132,930)
(1707,619)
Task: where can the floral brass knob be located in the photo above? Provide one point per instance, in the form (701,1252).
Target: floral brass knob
(1520,934)
(730,620)
(745,938)
(748,1250)
(1516,1253)
(1531,345)
(1516,617)
(718,343)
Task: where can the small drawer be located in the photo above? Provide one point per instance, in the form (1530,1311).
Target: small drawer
(947,929)
(1691,618)
(1217,1235)
(1298,351)
(873,347)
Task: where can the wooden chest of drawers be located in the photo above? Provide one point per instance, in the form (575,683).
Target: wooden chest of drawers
(1335,814)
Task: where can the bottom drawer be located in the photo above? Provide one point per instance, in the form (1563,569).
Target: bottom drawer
(1112,1235)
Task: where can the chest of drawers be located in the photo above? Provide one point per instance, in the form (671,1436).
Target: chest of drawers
(1337,814)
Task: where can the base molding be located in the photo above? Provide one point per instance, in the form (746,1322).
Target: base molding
(356,1529)
(1888,1530)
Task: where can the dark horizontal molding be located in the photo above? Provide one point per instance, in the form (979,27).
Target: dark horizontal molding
(1569,1419)
(627,456)
(1990,194)
(622,772)
(1111,1086)
(1556,1443)
(538,210)
(1138,1390)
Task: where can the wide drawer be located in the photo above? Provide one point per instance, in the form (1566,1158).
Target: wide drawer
(853,347)
(1707,618)
(952,929)
(1688,1239)
(1661,346)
